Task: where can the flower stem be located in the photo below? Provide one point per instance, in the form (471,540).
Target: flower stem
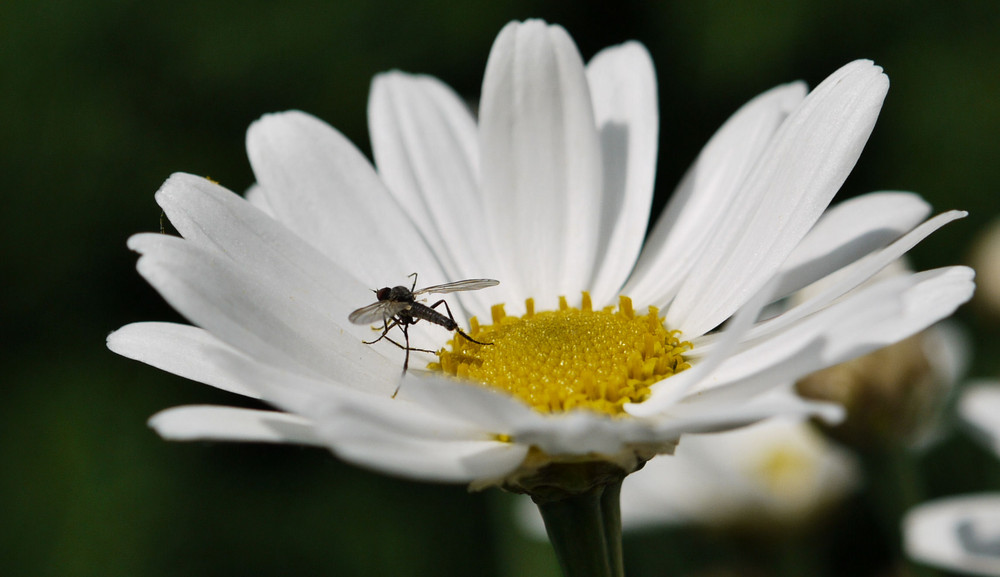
(612,514)
(585,531)
(895,487)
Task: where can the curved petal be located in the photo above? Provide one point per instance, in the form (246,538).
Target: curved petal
(364,444)
(216,219)
(255,196)
(958,533)
(688,418)
(541,162)
(260,317)
(848,231)
(851,277)
(786,192)
(396,436)
(211,423)
(183,350)
(867,320)
(698,204)
(623,89)
(320,400)
(424,140)
(325,190)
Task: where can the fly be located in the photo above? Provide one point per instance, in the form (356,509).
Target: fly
(397,306)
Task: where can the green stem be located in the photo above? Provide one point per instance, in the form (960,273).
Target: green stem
(895,487)
(585,531)
(612,513)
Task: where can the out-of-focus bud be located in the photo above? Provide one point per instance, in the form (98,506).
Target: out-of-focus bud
(985,259)
(893,396)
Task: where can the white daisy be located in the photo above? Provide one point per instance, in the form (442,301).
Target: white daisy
(549,192)
(780,472)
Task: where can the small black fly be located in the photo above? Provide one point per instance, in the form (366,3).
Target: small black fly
(397,306)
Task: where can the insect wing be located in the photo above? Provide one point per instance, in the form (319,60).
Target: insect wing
(377,312)
(459,285)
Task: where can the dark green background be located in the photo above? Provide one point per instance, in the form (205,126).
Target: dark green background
(101,100)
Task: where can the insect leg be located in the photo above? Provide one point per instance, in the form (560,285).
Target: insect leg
(406,360)
(414,285)
(385,331)
(452,317)
(408,347)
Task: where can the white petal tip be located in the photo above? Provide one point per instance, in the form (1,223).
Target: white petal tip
(960,533)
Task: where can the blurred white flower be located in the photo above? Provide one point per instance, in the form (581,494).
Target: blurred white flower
(549,192)
(962,533)
(780,472)
(979,407)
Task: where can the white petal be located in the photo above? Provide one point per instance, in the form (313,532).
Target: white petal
(414,458)
(425,144)
(623,88)
(210,423)
(219,220)
(255,196)
(179,349)
(258,316)
(979,406)
(698,204)
(786,192)
(493,411)
(323,402)
(848,231)
(703,417)
(324,189)
(958,533)
(852,276)
(541,161)
(868,319)
(396,436)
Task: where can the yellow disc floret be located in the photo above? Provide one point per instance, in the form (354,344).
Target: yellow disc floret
(571,358)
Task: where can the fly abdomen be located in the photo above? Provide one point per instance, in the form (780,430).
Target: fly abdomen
(426,313)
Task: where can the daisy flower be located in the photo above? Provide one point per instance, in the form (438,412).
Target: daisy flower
(604,346)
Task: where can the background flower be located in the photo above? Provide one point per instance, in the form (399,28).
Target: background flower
(962,532)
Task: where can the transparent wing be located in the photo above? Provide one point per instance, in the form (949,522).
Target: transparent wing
(459,285)
(377,312)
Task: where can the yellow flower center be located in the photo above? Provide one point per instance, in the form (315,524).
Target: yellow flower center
(785,469)
(569,358)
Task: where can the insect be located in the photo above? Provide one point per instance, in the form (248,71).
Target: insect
(397,306)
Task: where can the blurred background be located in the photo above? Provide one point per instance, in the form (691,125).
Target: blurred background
(102,100)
